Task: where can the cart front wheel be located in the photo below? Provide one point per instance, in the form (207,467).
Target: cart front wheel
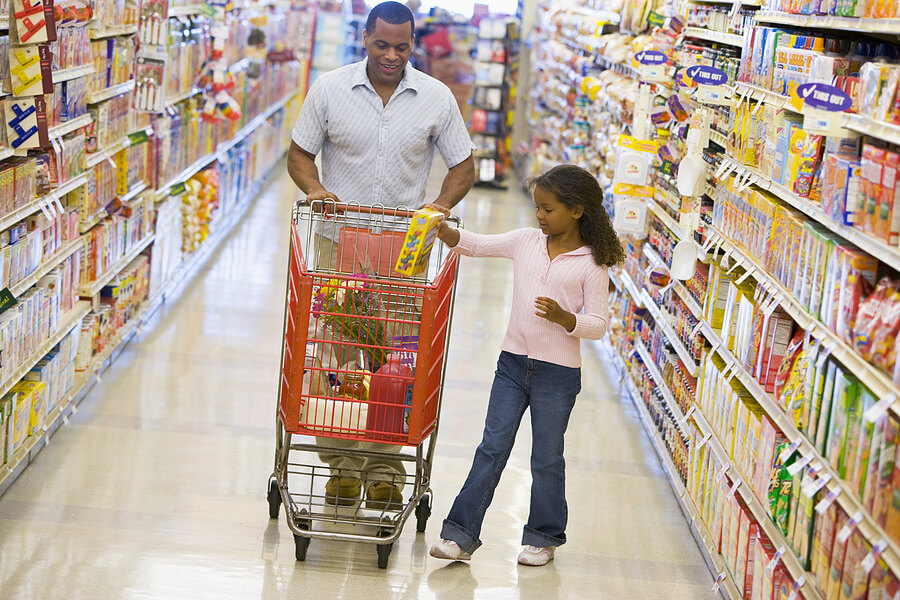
(423,511)
(274,499)
(301,544)
(384,551)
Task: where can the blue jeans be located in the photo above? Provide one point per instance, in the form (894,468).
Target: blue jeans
(550,390)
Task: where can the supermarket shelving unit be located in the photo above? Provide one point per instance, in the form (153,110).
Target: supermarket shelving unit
(169,289)
(493,99)
(827,486)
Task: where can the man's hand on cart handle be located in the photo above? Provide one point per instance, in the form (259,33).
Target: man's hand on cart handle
(448,235)
(321,201)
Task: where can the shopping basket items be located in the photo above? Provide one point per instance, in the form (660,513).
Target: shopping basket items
(358,319)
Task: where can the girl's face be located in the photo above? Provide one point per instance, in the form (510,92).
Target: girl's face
(554,217)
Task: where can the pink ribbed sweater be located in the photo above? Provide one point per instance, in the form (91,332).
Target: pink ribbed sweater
(573,279)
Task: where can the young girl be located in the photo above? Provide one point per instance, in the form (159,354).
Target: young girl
(559,270)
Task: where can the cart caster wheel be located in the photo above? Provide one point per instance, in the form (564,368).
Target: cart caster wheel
(274,499)
(301,544)
(301,522)
(384,551)
(423,511)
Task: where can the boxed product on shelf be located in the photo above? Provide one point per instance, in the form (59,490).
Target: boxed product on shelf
(113,60)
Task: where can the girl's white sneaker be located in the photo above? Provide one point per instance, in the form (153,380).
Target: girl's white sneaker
(449,550)
(534,556)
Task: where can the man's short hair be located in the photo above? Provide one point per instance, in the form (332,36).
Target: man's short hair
(393,13)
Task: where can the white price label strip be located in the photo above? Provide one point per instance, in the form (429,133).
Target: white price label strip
(814,469)
(817,485)
(868,563)
(828,500)
(684,420)
(718,583)
(770,568)
(705,439)
(789,451)
(873,413)
(822,358)
(796,589)
(696,328)
(734,489)
(844,534)
(800,464)
(720,476)
(62,413)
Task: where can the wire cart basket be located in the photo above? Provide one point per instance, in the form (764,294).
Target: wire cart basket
(362,371)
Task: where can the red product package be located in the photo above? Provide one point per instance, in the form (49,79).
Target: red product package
(867,316)
(787,363)
(884,334)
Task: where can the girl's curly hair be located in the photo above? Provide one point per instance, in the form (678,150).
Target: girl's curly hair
(574,187)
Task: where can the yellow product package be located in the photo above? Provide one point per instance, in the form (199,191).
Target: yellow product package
(419,241)
(38,410)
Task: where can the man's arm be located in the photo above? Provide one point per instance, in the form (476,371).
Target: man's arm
(302,169)
(457,183)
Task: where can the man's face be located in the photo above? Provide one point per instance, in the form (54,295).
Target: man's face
(389,48)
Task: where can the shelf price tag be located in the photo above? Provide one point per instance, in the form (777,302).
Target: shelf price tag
(718,584)
(62,413)
(789,451)
(801,581)
(687,416)
(868,563)
(844,534)
(800,464)
(720,476)
(878,410)
(734,489)
(815,485)
(703,442)
(822,358)
(770,568)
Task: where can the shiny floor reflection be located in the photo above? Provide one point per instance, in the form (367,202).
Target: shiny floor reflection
(156,490)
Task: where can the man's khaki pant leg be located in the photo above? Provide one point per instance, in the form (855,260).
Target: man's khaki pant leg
(369,469)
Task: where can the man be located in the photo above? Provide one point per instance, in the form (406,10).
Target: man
(377,124)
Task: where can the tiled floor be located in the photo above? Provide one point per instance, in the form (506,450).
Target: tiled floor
(157,487)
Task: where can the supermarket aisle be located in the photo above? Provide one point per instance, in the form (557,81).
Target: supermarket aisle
(157,488)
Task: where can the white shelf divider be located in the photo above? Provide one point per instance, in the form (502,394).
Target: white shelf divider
(110,92)
(70,126)
(729,39)
(72,73)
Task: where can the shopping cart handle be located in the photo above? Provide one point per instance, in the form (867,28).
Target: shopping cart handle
(331,206)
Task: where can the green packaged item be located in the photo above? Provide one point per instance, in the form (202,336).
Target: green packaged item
(780,489)
(812,424)
(864,447)
(824,420)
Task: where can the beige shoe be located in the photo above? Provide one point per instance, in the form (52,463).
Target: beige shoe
(383,496)
(343,491)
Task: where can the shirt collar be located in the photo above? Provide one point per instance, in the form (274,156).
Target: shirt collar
(576,252)
(410,77)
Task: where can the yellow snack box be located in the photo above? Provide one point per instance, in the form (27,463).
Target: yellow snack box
(38,405)
(419,241)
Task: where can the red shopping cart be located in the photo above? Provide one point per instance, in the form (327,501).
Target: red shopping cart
(363,359)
